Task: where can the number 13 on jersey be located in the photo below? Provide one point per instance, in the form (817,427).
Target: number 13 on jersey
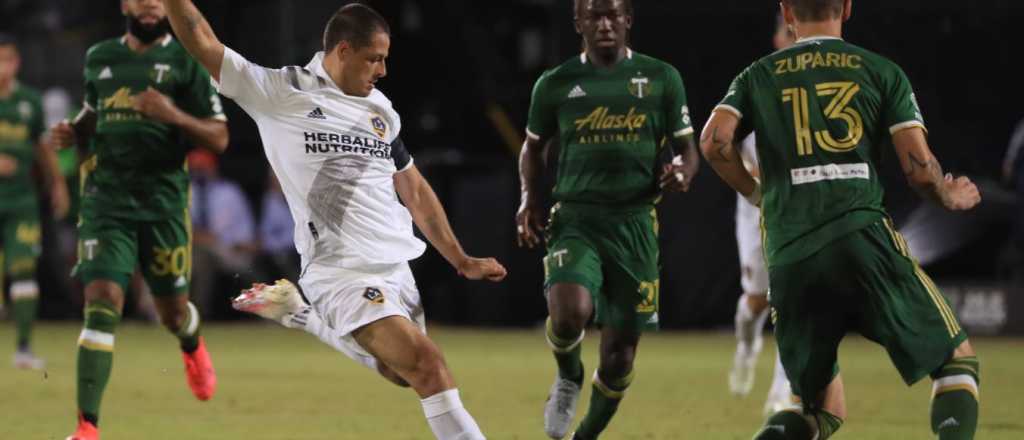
(838,108)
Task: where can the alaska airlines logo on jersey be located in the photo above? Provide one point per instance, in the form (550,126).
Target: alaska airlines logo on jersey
(379,126)
(602,119)
(120,107)
(639,86)
(13,132)
(320,143)
(808,60)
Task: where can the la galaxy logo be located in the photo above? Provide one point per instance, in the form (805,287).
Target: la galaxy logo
(374,295)
(639,85)
(379,126)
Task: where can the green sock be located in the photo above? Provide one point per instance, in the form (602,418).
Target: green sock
(785,425)
(95,356)
(188,334)
(567,354)
(24,306)
(955,399)
(604,402)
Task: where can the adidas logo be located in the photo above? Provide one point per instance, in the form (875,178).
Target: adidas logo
(105,73)
(948,423)
(180,282)
(577,92)
(316,114)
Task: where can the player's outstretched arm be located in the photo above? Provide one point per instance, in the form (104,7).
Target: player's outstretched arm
(925,175)
(429,215)
(529,221)
(718,145)
(196,35)
(78,131)
(53,180)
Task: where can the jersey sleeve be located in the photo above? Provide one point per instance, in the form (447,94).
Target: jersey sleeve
(254,87)
(899,105)
(737,99)
(678,111)
(199,96)
(542,121)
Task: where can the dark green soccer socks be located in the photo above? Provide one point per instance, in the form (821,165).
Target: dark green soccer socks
(24,307)
(792,425)
(95,356)
(567,354)
(604,402)
(955,399)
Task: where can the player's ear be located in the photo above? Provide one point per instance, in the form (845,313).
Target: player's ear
(847,10)
(629,22)
(342,50)
(787,14)
(124,7)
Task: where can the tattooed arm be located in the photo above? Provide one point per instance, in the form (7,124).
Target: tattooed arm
(718,145)
(196,35)
(925,174)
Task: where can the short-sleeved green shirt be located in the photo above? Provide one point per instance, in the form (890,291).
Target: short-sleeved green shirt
(138,169)
(610,124)
(822,110)
(21,125)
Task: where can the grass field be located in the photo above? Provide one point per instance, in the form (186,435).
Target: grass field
(283,384)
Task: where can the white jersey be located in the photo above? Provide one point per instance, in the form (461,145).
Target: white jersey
(335,156)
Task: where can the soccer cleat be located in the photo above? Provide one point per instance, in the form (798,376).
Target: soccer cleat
(276,302)
(560,407)
(741,377)
(199,373)
(86,431)
(25,360)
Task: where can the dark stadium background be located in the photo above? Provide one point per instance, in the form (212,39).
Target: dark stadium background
(461,72)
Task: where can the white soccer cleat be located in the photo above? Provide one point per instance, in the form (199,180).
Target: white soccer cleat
(560,407)
(276,302)
(741,377)
(25,360)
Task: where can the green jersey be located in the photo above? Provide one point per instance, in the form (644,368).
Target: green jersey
(822,111)
(21,125)
(610,124)
(138,169)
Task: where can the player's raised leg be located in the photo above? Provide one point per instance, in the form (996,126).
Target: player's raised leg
(181,318)
(569,309)
(402,346)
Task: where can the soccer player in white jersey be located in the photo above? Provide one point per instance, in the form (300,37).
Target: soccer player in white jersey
(333,141)
(752,307)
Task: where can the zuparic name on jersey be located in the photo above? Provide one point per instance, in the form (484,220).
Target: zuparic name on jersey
(319,142)
(808,60)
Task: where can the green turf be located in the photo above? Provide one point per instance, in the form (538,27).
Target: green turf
(283,384)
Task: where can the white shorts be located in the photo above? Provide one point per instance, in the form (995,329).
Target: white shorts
(753,271)
(348,299)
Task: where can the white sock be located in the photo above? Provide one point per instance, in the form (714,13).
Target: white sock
(748,328)
(780,384)
(310,321)
(448,419)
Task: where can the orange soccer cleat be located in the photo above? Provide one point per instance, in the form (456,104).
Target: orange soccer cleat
(86,431)
(202,379)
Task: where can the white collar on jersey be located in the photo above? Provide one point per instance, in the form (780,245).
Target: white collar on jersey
(629,55)
(818,37)
(163,43)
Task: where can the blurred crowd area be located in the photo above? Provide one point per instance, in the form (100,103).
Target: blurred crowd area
(460,74)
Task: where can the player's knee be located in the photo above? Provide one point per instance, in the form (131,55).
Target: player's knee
(106,291)
(172,318)
(429,371)
(618,363)
(569,323)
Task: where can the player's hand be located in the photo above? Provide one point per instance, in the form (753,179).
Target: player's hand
(529,223)
(62,134)
(482,268)
(961,193)
(156,106)
(674,177)
(8,165)
(60,203)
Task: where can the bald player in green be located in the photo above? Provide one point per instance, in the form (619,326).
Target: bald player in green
(823,109)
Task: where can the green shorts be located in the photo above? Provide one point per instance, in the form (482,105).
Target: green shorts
(21,238)
(866,282)
(614,255)
(109,248)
